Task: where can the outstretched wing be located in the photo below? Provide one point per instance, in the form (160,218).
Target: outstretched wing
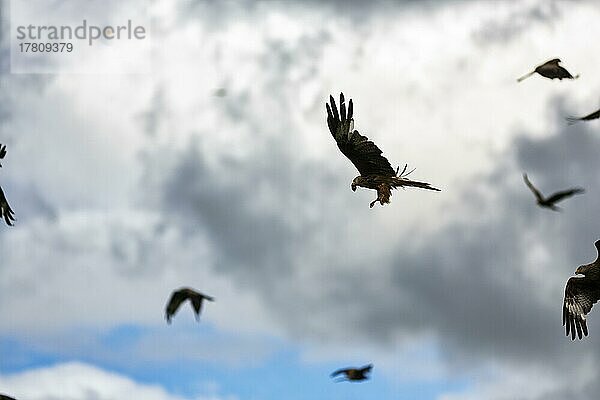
(197,305)
(366,368)
(536,192)
(594,115)
(580,295)
(196,300)
(558,196)
(178,297)
(5,397)
(363,153)
(339,372)
(5,211)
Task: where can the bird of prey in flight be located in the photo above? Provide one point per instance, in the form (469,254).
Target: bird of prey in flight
(555,198)
(589,117)
(6,212)
(182,294)
(550,69)
(353,374)
(581,292)
(375,170)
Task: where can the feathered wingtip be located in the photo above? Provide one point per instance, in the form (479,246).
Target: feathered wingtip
(2,153)
(341,118)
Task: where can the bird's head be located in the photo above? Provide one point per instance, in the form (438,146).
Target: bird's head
(582,270)
(356,182)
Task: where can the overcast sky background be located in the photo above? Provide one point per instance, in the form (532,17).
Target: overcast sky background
(127,186)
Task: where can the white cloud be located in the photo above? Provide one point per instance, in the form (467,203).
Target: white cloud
(78,381)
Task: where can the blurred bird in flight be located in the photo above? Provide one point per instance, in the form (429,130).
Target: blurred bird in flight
(554,198)
(552,70)
(353,374)
(182,294)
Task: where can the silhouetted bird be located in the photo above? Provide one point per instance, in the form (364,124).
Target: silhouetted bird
(550,69)
(353,374)
(555,198)
(5,211)
(2,152)
(5,397)
(581,293)
(182,294)
(375,170)
(594,115)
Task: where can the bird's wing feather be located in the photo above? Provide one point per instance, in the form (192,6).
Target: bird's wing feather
(339,371)
(362,152)
(196,304)
(594,115)
(5,211)
(558,196)
(178,297)
(580,295)
(536,192)
(2,151)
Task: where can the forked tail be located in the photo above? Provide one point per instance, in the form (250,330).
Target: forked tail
(402,182)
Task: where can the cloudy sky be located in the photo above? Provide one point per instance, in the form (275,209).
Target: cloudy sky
(215,169)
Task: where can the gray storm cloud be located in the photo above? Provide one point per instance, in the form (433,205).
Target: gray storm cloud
(473,283)
(485,283)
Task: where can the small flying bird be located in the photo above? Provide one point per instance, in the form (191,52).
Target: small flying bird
(353,374)
(550,69)
(581,293)
(375,170)
(182,294)
(6,212)
(573,120)
(555,198)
